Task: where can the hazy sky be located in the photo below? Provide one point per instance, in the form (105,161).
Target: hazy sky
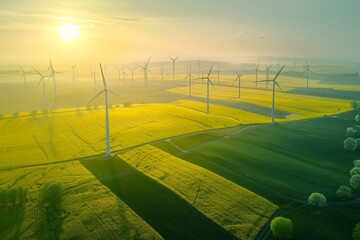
(120,31)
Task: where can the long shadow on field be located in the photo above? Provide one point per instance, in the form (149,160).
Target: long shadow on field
(165,211)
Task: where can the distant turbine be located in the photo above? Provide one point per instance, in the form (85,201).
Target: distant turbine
(257,73)
(123,74)
(42,79)
(93,73)
(132,74)
(267,74)
(162,72)
(23,76)
(218,74)
(145,68)
(273,94)
(198,67)
(238,79)
(173,64)
(207,89)
(73,67)
(307,71)
(52,74)
(189,76)
(105,90)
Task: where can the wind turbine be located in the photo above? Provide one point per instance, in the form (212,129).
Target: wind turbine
(238,79)
(218,74)
(107,122)
(73,67)
(23,76)
(173,64)
(274,82)
(93,73)
(145,68)
(42,79)
(267,73)
(257,73)
(198,67)
(132,74)
(189,76)
(123,74)
(307,71)
(207,89)
(52,74)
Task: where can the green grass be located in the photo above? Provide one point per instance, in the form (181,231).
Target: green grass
(236,209)
(285,163)
(88,210)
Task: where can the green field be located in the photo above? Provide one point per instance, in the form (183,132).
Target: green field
(284,164)
(236,209)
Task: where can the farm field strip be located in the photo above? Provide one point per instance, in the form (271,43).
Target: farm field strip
(236,209)
(304,106)
(88,209)
(53,137)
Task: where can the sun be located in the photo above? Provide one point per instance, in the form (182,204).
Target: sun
(69,32)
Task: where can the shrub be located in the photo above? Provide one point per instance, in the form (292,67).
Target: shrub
(356,232)
(350,144)
(21,194)
(354,105)
(52,193)
(3,197)
(355,170)
(350,132)
(12,195)
(127,104)
(344,192)
(357,118)
(281,228)
(317,199)
(356,163)
(355,181)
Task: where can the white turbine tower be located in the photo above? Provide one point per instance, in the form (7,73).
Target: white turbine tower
(189,76)
(146,70)
(208,81)
(23,76)
(273,94)
(307,71)
(107,122)
(73,67)
(267,74)
(52,74)
(42,80)
(132,74)
(173,64)
(218,74)
(93,73)
(256,74)
(238,79)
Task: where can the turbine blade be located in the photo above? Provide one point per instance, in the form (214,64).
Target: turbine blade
(97,95)
(147,63)
(278,86)
(176,58)
(211,83)
(102,74)
(37,72)
(21,68)
(210,70)
(279,72)
(114,93)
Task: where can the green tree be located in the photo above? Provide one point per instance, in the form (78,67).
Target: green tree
(52,193)
(281,228)
(21,194)
(12,195)
(356,232)
(317,199)
(344,192)
(356,163)
(3,197)
(355,181)
(354,105)
(350,144)
(354,171)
